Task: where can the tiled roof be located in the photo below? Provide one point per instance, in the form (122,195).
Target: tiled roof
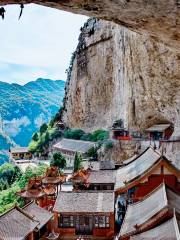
(158,128)
(99,165)
(74,145)
(102,176)
(85,202)
(170,230)
(14,225)
(40,214)
(136,167)
(19,150)
(146,210)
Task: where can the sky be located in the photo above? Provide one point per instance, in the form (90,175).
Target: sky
(40,44)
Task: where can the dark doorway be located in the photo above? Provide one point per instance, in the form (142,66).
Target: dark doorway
(84,225)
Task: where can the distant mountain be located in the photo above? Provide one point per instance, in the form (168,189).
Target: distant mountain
(24,108)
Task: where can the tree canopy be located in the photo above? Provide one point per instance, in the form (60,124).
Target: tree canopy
(58,161)
(77,162)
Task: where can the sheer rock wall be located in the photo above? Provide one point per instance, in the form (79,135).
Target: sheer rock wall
(117,73)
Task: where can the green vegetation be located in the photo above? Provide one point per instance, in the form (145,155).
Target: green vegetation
(108,144)
(58,161)
(43,128)
(8,197)
(73,133)
(79,134)
(77,162)
(8,175)
(41,140)
(92,153)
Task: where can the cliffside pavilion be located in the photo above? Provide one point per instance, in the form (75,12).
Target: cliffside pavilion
(85,213)
(156,208)
(160,131)
(144,173)
(30,223)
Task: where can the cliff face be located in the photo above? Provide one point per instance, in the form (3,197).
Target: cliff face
(117,74)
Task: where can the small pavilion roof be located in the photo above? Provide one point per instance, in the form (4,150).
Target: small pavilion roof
(33,189)
(158,128)
(130,173)
(85,202)
(166,231)
(15,224)
(40,214)
(146,212)
(74,145)
(52,176)
(19,150)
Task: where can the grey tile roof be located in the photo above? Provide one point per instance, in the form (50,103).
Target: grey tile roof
(142,211)
(85,202)
(40,214)
(14,225)
(19,150)
(102,176)
(158,128)
(99,165)
(74,145)
(136,167)
(107,164)
(170,230)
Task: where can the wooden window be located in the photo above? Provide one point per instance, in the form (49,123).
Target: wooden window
(66,221)
(101,221)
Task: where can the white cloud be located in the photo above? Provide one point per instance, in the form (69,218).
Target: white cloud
(40,120)
(44,38)
(13,127)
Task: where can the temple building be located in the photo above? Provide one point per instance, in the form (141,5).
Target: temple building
(120,134)
(30,223)
(160,131)
(94,180)
(154,209)
(166,231)
(53,178)
(34,191)
(144,173)
(69,147)
(85,213)
(20,153)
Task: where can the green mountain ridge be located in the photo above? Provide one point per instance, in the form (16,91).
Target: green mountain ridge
(24,108)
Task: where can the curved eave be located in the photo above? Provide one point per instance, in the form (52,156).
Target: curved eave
(162,161)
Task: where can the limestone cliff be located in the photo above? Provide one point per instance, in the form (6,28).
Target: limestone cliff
(116,73)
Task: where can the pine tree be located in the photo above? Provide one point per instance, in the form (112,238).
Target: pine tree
(77,162)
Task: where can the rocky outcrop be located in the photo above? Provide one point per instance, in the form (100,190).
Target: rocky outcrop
(160,19)
(116,73)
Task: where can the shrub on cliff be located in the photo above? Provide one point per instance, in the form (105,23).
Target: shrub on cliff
(99,135)
(74,134)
